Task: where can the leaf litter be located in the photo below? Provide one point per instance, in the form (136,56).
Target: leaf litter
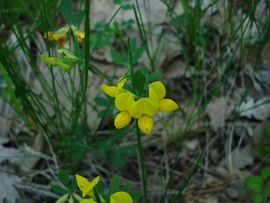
(229,139)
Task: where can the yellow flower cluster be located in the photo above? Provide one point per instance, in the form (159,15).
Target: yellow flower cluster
(60,36)
(142,109)
(87,188)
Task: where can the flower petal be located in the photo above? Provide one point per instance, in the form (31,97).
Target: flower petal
(82,182)
(121,101)
(89,189)
(122,119)
(167,105)
(159,88)
(121,197)
(145,124)
(63,66)
(143,106)
(88,201)
(80,35)
(153,96)
(109,90)
(49,60)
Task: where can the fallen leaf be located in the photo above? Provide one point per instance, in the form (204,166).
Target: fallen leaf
(259,109)
(218,110)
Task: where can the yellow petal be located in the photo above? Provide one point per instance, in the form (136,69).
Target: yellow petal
(60,39)
(82,182)
(153,96)
(122,119)
(121,101)
(145,124)
(121,82)
(167,105)
(89,189)
(109,90)
(80,35)
(63,66)
(143,106)
(121,197)
(49,60)
(88,201)
(159,88)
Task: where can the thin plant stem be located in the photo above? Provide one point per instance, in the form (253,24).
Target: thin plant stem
(141,163)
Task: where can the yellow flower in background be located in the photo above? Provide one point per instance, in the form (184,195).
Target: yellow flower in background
(114,91)
(121,197)
(80,35)
(164,105)
(59,36)
(87,187)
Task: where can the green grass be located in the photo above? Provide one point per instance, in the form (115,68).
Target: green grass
(213,51)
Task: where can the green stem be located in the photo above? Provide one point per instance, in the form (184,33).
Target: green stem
(141,163)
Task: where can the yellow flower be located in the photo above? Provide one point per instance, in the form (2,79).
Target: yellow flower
(80,35)
(164,105)
(114,91)
(59,36)
(121,197)
(87,187)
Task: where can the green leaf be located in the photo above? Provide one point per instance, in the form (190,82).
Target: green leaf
(262,153)
(63,177)
(265,173)
(66,10)
(105,113)
(258,198)
(105,146)
(127,7)
(59,190)
(114,184)
(254,183)
(79,17)
(128,150)
(119,160)
(133,45)
(266,189)
(119,133)
(73,184)
(125,187)
(135,196)
(138,55)
(138,82)
(117,58)
(267,132)
(117,2)
(154,76)
(101,101)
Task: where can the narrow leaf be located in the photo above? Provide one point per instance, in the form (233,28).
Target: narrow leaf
(59,190)
(138,55)
(66,10)
(114,184)
(63,178)
(117,58)
(79,17)
(138,81)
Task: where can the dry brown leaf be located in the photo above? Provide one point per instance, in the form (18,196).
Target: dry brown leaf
(218,110)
